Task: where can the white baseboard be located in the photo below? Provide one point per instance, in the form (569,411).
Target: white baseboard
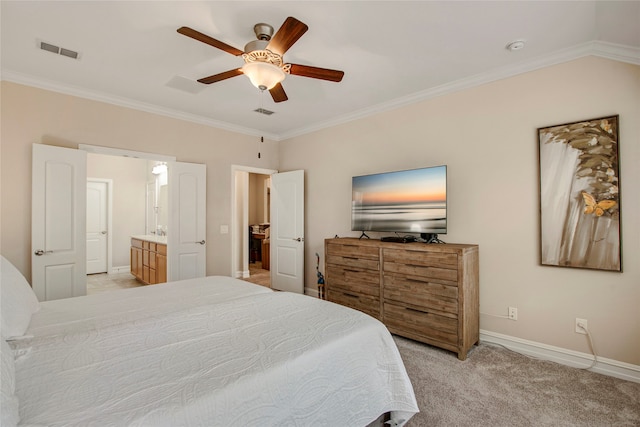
(576,359)
(243,274)
(121,269)
(313,292)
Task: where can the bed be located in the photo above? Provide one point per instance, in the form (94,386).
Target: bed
(203,352)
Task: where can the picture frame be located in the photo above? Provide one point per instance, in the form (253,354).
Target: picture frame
(580,224)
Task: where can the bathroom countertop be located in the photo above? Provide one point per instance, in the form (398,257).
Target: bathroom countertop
(151,238)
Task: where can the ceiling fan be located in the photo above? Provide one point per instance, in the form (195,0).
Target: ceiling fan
(264,64)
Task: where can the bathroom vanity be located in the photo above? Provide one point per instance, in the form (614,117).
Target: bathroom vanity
(149,258)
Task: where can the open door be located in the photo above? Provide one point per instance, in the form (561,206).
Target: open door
(287,231)
(58,222)
(186,245)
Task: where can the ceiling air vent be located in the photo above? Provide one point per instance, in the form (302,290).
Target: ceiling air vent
(58,50)
(69,53)
(263,111)
(49,47)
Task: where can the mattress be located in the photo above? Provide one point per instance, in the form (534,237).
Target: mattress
(262,359)
(84,313)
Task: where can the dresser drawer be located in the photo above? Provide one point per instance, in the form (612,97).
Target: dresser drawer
(360,281)
(427,274)
(353,256)
(422,258)
(433,296)
(353,251)
(366,304)
(421,323)
(353,262)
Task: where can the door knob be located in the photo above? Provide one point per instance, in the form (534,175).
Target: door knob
(299,239)
(103,232)
(40,252)
(202,242)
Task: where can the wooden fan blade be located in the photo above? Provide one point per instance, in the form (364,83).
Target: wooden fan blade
(290,31)
(197,35)
(221,76)
(316,73)
(278,94)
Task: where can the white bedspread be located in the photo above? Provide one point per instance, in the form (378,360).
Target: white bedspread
(68,315)
(264,359)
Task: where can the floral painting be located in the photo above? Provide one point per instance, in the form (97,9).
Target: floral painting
(580,195)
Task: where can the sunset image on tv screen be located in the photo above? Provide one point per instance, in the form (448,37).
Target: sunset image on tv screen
(412,201)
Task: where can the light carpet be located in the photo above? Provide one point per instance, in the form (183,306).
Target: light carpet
(496,387)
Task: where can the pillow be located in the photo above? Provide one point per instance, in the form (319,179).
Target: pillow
(18,301)
(10,414)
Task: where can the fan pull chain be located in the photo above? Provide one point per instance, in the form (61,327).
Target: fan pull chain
(261,109)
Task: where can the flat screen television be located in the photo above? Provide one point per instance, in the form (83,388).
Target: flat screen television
(408,201)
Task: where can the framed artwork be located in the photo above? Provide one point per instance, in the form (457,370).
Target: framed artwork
(580,195)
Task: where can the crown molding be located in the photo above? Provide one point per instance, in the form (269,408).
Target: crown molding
(616,52)
(28,80)
(612,51)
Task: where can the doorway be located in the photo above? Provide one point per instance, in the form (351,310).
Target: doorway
(59,212)
(129,177)
(286,230)
(259,229)
(250,224)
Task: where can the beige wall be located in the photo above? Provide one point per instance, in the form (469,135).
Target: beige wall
(257,197)
(487,137)
(30,115)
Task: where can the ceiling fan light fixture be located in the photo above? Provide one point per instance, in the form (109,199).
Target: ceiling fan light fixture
(263,75)
(264,64)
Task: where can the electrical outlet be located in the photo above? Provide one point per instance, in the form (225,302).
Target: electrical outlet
(581,326)
(513,313)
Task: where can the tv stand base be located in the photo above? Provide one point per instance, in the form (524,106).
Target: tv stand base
(430,238)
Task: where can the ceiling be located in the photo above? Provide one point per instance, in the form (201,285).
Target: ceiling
(393,53)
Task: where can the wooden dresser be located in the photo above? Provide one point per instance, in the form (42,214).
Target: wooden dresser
(426,292)
(148,260)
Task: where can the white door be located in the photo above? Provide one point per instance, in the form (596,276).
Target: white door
(58,229)
(287,231)
(97,226)
(186,235)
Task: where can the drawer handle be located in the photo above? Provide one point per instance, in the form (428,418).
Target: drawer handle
(414,280)
(416,310)
(350,295)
